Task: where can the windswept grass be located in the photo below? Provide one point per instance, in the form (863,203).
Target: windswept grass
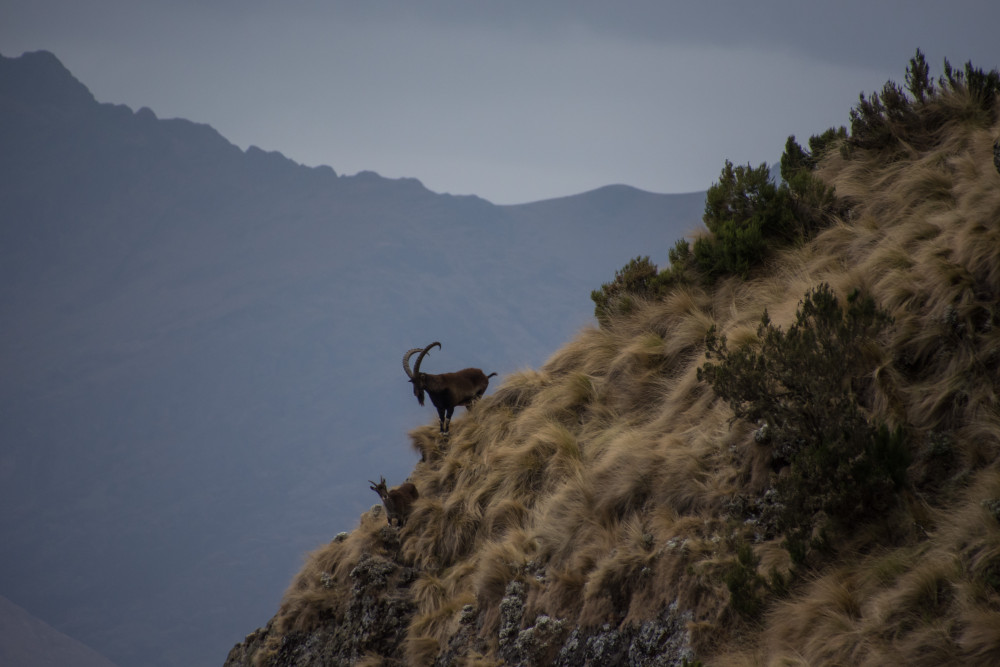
(609,481)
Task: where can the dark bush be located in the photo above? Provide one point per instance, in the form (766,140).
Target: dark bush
(982,86)
(746,214)
(638,278)
(746,586)
(886,120)
(805,387)
(813,202)
(918,78)
(641,279)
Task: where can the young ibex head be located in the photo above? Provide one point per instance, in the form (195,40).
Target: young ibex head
(447,390)
(398,500)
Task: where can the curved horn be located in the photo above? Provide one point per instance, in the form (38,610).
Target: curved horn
(416,366)
(406,361)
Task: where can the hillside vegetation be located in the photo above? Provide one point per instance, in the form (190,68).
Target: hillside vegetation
(782,449)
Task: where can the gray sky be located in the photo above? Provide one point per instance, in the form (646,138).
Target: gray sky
(513,101)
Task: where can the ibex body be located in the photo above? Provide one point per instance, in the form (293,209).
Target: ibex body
(398,500)
(447,390)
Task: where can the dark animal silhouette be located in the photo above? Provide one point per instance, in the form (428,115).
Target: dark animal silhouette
(447,390)
(398,500)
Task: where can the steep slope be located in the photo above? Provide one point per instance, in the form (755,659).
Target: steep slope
(606,507)
(200,352)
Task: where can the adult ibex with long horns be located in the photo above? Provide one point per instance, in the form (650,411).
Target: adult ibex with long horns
(447,390)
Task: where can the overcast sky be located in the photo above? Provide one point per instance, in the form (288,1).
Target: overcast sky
(513,101)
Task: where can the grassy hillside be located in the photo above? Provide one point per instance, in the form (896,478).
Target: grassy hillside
(616,483)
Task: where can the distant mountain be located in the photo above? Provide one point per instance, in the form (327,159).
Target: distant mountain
(26,641)
(201,350)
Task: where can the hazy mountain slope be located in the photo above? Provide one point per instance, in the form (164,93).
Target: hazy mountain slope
(598,510)
(201,352)
(26,641)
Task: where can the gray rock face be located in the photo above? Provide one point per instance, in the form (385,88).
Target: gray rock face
(531,645)
(660,642)
(380,608)
(375,622)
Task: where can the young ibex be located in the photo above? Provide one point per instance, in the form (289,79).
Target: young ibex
(398,500)
(447,390)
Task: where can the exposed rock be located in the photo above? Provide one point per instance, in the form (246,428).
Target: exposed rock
(375,621)
(660,642)
(465,641)
(511,613)
(533,645)
(379,610)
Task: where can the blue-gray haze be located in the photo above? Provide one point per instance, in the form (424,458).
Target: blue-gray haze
(512,101)
(201,352)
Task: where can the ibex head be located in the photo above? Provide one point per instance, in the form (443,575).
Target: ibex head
(398,500)
(380,488)
(416,377)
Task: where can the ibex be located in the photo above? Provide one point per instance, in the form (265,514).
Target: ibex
(398,500)
(447,390)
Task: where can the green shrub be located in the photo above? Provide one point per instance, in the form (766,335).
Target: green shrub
(882,119)
(982,86)
(918,78)
(746,214)
(641,279)
(804,387)
(746,586)
(638,278)
(813,202)
(890,118)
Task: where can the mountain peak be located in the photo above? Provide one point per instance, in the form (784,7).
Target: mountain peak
(38,77)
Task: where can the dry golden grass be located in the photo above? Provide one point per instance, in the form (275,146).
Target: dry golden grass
(600,480)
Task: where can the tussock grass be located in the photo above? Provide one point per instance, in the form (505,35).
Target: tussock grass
(602,481)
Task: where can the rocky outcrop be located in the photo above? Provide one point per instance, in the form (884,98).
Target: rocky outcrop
(660,642)
(377,614)
(380,609)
